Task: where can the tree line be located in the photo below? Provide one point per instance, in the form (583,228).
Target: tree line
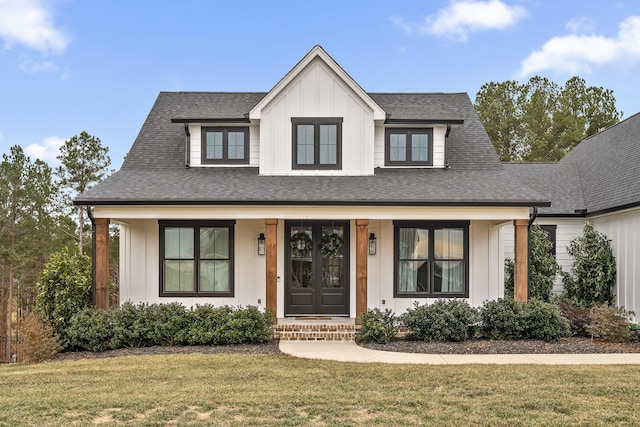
(37,217)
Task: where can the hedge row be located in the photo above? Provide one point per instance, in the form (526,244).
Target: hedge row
(455,320)
(146,325)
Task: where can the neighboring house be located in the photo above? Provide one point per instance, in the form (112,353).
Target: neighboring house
(315,198)
(598,181)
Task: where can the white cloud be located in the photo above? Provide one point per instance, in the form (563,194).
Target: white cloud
(464,17)
(47,150)
(29,23)
(577,53)
(582,24)
(31,66)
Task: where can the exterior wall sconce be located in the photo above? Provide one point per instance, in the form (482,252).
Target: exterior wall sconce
(372,244)
(261,244)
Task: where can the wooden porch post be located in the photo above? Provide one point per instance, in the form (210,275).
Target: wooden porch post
(362,255)
(102,263)
(521,263)
(272,267)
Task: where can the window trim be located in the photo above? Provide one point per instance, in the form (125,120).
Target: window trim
(316,122)
(196,225)
(408,132)
(225,145)
(431,226)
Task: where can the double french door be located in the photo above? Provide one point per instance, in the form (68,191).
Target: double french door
(317,268)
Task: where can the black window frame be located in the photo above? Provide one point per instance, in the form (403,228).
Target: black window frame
(225,145)
(551,231)
(196,225)
(408,132)
(431,226)
(316,122)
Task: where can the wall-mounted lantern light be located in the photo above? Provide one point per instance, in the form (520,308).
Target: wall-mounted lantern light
(372,244)
(261,244)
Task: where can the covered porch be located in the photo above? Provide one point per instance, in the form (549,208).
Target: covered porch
(264,280)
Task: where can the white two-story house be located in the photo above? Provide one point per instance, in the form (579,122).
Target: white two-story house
(316,198)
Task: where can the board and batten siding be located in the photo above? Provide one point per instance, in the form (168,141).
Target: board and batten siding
(623,229)
(438,142)
(316,92)
(195,142)
(140,266)
(486,275)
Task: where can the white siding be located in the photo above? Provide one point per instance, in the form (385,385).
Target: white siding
(623,229)
(139,266)
(438,145)
(195,159)
(567,229)
(317,92)
(486,277)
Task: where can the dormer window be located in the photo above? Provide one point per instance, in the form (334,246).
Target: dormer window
(317,143)
(409,147)
(222,145)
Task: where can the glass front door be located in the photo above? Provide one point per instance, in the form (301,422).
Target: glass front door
(317,260)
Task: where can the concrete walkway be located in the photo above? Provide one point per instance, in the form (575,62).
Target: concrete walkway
(351,352)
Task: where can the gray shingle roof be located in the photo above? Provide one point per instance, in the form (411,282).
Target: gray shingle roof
(609,166)
(154,170)
(558,182)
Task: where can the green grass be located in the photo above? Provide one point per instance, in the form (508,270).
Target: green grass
(278,390)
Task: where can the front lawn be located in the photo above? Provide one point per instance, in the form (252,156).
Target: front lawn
(278,390)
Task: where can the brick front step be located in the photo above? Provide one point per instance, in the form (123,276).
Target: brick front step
(315,332)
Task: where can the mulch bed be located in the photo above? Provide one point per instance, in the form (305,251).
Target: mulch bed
(572,345)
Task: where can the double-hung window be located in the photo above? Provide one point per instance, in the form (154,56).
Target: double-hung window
(196,258)
(222,145)
(431,259)
(317,143)
(407,147)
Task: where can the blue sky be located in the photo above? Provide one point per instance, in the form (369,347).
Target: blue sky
(71,65)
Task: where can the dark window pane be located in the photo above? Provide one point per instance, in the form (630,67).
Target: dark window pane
(413,276)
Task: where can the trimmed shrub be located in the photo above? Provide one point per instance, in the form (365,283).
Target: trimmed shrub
(610,323)
(503,319)
(577,316)
(36,340)
(510,319)
(90,329)
(444,320)
(543,267)
(377,326)
(593,273)
(543,321)
(64,289)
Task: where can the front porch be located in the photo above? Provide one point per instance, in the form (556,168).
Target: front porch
(264,279)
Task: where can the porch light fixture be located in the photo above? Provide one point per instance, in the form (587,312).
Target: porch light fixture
(372,244)
(261,244)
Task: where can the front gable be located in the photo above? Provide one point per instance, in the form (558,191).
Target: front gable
(316,93)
